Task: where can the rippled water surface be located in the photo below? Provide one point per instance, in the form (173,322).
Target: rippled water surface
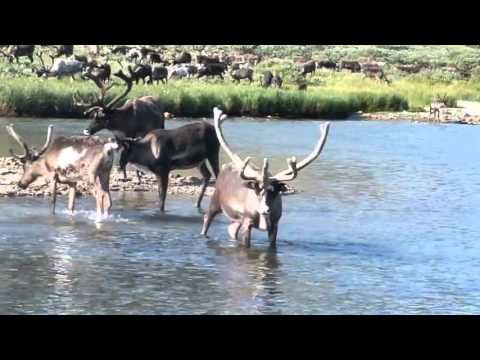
(387,221)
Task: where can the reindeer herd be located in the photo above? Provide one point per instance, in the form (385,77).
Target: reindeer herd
(248,195)
(152,66)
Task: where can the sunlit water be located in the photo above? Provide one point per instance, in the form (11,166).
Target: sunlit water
(387,221)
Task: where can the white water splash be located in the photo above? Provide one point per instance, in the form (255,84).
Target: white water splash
(92,215)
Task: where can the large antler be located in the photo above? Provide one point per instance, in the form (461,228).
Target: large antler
(294,168)
(129,81)
(218,118)
(40,57)
(243,165)
(99,101)
(20,141)
(47,142)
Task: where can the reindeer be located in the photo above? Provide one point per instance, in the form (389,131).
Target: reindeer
(66,50)
(101,72)
(19,51)
(186,147)
(59,159)
(60,67)
(135,118)
(437,106)
(249,196)
(141,72)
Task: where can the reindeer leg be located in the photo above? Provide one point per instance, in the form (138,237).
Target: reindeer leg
(125,174)
(98,198)
(106,197)
(213,210)
(233,230)
(206,179)
(54,194)
(272,235)
(72,184)
(162,188)
(71,198)
(247,234)
(139,177)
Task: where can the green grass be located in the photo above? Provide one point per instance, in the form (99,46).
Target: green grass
(192,98)
(329,95)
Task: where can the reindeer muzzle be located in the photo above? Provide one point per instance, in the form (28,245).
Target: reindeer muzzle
(86,132)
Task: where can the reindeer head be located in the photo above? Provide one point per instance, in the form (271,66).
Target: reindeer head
(267,187)
(29,160)
(98,109)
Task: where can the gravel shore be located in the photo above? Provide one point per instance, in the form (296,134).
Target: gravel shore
(11,170)
(450,117)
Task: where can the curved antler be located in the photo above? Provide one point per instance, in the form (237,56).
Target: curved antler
(99,101)
(324,128)
(47,142)
(292,171)
(20,141)
(243,168)
(129,82)
(218,118)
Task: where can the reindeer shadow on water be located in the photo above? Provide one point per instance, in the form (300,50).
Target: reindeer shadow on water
(250,275)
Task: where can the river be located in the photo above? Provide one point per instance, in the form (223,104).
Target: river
(386,222)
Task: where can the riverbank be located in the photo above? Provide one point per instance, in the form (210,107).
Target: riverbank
(329,96)
(193,98)
(11,170)
(451,118)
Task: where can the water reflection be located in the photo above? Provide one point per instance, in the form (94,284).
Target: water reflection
(251,276)
(62,266)
(386,222)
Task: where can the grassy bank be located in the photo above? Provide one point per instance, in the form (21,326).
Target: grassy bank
(330,95)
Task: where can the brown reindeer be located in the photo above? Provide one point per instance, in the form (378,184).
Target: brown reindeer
(249,196)
(134,119)
(67,160)
(437,107)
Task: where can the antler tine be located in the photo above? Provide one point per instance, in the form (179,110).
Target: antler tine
(129,81)
(265,169)
(95,79)
(324,128)
(243,168)
(292,169)
(47,142)
(19,140)
(219,117)
(79,100)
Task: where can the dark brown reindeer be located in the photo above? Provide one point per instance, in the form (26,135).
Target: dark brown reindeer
(64,50)
(67,160)
(249,196)
(134,119)
(18,51)
(162,151)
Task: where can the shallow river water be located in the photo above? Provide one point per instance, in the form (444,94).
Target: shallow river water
(387,222)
